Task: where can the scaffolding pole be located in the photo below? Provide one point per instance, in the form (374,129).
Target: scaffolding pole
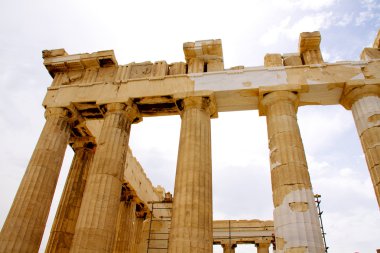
(318,201)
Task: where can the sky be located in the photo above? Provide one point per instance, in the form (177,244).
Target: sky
(154,30)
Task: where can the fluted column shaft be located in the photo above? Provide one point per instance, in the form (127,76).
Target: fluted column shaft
(96,226)
(125,229)
(295,216)
(139,222)
(191,226)
(365,105)
(62,232)
(25,224)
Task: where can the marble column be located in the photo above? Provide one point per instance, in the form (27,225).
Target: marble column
(262,247)
(25,224)
(191,226)
(139,223)
(125,228)
(96,226)
(364,103)
(62,232)
(296,220)
(228,248)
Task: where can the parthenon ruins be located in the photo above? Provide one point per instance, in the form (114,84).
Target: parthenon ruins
(110,205)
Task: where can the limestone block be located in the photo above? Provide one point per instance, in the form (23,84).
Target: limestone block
(106,74)
(215,65)
(160,69)
(309,41)
(177,68)
(138,182)
(370,54)
(312,57)
(195,65)
(309,50)
(204,55)
(123,73)
(203,49)
(54,53)
(292,59)
(273,60)
(237,67)
(59,61)
(141,70)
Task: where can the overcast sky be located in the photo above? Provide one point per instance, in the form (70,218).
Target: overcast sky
(155,30)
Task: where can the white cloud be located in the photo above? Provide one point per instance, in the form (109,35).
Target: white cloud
(363,17)
(306,4)
(344,20)
(272,35)
(292,30)
(371,11)
(310,23)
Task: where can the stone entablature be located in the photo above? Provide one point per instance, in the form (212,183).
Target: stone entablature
(153,89)
(243,231)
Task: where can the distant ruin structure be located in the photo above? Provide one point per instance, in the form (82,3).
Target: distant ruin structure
(108,203)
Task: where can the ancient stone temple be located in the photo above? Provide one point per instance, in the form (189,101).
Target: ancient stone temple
(109,204)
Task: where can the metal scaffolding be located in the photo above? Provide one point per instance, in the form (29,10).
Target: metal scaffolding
(318,203)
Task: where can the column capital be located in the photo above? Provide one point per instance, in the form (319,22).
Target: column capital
(129,108)
(276,96)
(78,143)
(57,111)
(262,245)
(141,210)
(352,93)
(228,245)
(205,102)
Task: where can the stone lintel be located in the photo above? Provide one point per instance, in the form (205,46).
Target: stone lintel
(243,231)
(58,60)
(234,89)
